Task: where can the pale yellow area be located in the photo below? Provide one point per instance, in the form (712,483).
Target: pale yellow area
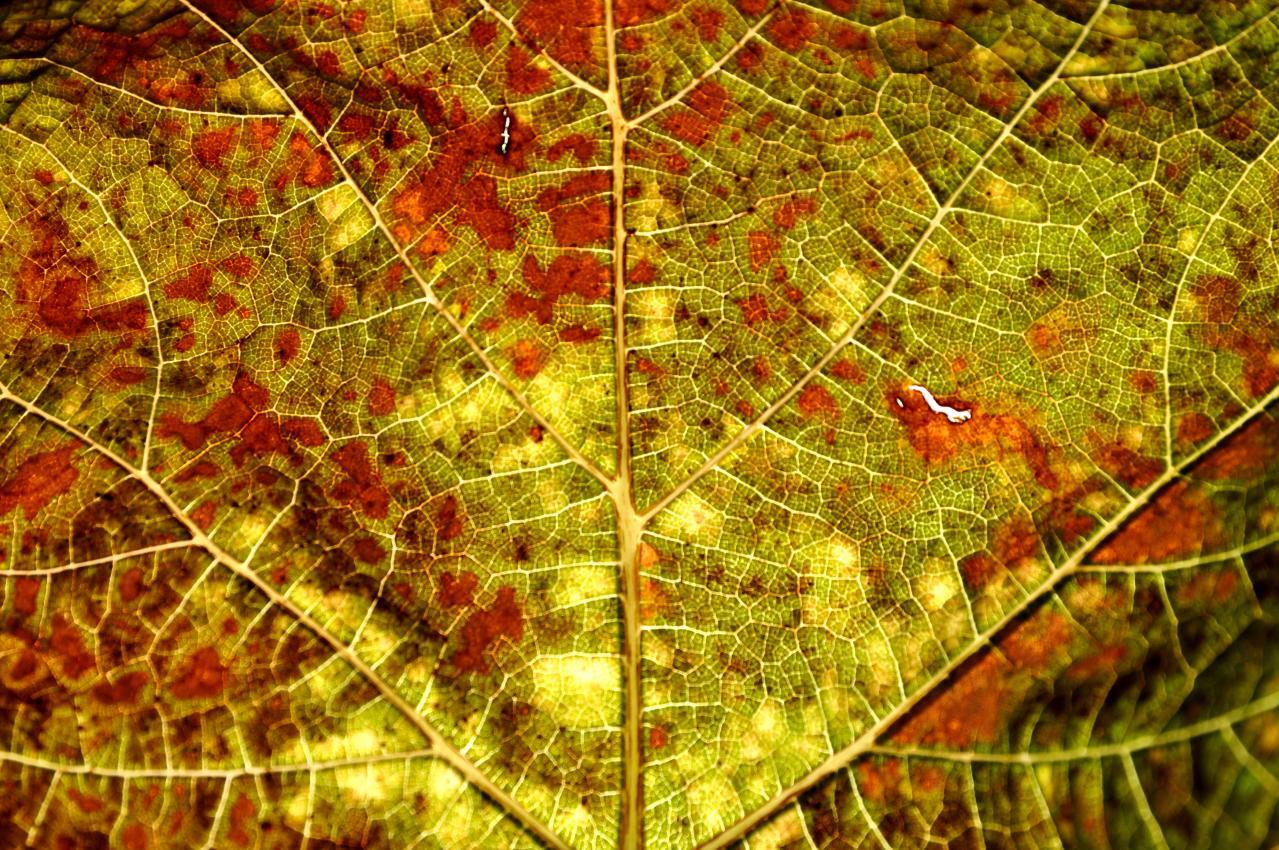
(332,203)
(370,783)
(351,219)
(253,93)
(691,518)
(713,803)
(881,663)
(837,557)
(573,586)
(935,589)
(651,208)
(656,307)
(766,729)
(1187,238)
(844,299)
(578,691)
(1007,201)
(509,457)
(258,92)
(782,831)
(658,652)
(1116,22)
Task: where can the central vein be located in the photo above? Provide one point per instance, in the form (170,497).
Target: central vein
(630,525)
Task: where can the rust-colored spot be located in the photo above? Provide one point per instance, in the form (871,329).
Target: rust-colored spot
(970,711)
(39,480)
(788,214)
(482,33)
(484,629)
(287,345)
(240,413)
(707,107)
(522,75)
(1179,522)
(457,591)
(708,22)
(123,691)
(126,376)
(816,401)
(937,440)
(1143,381)
(25,592)
(580,224)
(448,519)
(86,803)
(134,837)
(57,284)
(363,484)
(643,272)
(656,737)
(1245,453)
(1218,297)
(571,274)
(210,147)
(581,147)
(579,334)
(763,248)
(1209,587)
(1033,643)
(1104,660)
(1133,469)
(368,550)
(203,515)
(193,286)
(242,812)
(792,29)
(567,29)
(69,646)
(455,181)
(381,397)
(132,584)
(202,676)
(1194,427)
(528,357)
(306,164)
(755,310)
(879,781)
(1016,543)
(847,370)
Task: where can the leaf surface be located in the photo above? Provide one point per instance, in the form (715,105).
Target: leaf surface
(638,424)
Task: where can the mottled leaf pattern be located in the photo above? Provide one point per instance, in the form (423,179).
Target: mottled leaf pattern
(639,423)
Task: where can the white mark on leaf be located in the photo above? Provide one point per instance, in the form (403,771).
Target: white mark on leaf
(952,415)
(505,145)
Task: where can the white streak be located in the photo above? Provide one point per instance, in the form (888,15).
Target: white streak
(951,414)
(506,132)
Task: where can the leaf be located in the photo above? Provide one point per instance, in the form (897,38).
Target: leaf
(638,424)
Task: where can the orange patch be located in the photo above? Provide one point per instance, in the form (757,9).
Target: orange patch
(816,401)
(39,480)
(528,357)
(1179,522)
(707,107)
(937,440)
(381,398)
(1245,453)
(763,248)
(484,629)
(202,676)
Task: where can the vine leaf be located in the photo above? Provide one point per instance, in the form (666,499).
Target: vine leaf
(638,423)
